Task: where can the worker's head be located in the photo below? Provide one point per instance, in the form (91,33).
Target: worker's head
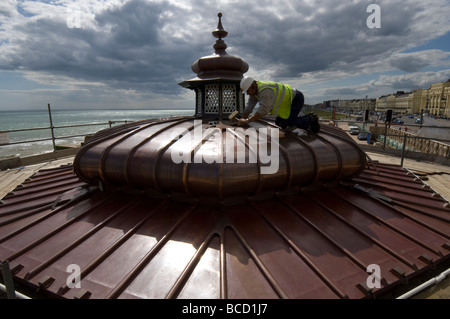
(248,84)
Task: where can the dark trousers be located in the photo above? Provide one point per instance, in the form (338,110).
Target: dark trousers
(293,119)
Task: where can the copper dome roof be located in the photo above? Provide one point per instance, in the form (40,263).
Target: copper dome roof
(140,156)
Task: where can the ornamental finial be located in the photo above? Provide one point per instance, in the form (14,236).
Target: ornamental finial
(220,33)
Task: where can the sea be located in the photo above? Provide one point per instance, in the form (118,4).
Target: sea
(39,121)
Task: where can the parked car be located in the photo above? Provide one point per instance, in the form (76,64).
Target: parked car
(418,120)
(363,136)
(354,130)
(399,122)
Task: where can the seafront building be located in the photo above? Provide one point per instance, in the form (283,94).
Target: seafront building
(397,102)
(438,99)
(433,101)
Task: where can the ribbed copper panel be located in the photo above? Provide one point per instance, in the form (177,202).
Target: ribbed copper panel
(316,244)
(201,157)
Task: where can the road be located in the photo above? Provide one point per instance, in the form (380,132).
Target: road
(412,127)
(435,132)
(409,125)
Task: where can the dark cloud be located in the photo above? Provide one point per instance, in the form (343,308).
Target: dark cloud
(148,47)
(345,91)
(409,64)
(135,24)
(126,49)
(321,37)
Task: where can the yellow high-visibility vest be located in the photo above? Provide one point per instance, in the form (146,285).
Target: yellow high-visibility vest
(283,97)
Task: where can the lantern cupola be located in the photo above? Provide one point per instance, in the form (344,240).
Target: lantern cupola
(216,86)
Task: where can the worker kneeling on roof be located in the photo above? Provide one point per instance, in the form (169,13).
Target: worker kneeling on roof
(279,100)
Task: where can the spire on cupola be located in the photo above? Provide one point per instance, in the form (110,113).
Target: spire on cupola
(216,86)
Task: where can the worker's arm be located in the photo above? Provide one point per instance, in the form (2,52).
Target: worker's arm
(252,101)
(255,117)
(265,106)
(266,102)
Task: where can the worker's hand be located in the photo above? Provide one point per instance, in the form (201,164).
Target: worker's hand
(243,122)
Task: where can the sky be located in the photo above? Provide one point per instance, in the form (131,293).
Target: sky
(120,54)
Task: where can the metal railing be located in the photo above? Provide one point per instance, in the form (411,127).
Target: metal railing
(52,128)
(52,131)
(419,144)
(407,142)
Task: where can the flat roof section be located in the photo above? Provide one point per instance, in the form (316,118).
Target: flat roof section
(318,244)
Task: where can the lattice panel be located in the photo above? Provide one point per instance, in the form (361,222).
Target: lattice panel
(241,102)
(212,98)
(199,101)
(229,98)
